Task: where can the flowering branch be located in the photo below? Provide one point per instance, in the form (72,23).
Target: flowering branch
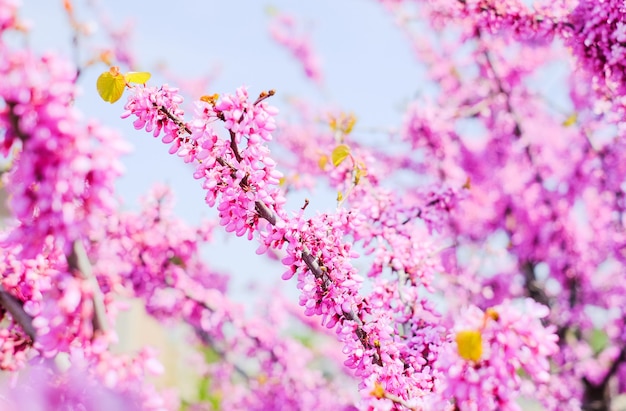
(263,211)
(267,214)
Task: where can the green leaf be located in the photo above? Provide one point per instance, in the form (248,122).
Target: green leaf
(215,400)
(210,355)
(339,154)
(111,85)
(522,373)
(203,389)
(176,260)
(307,340)
(139,77)
(598,340)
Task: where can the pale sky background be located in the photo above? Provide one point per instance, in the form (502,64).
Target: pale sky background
(367,65)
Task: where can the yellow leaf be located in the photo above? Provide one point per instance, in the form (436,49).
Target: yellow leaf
(333,123)
(360,172)
(470,344)
(349,123)
(111,85)
(322,161)
(343,124)
(139,77)
(571,120)
(339,196)
(339,154)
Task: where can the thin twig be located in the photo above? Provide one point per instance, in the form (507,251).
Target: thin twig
(263,96)
(233,146)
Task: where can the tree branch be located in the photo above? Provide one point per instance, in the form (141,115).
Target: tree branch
(16,308)
(597,397)
(233,146)
(14,119)
(530,282)
(79,264)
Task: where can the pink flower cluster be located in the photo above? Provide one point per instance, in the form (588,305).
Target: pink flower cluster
(93,380)
(61,180)
(146,104)
(536,23)
(158,262)
(331,291)
(46,389)
(60,184)
(516,349)
(238,173)
(598,40)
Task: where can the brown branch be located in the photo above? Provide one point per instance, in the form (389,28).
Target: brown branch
(79,265)
(264,95)
(314,267)
(14,119)
(265,213)
(597,397)
(208,341)
(399,401)
(420,210)
(175,119)
(233,146)
(202,334)
(16,308)
(530,281)
(618,361)
(517,130)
